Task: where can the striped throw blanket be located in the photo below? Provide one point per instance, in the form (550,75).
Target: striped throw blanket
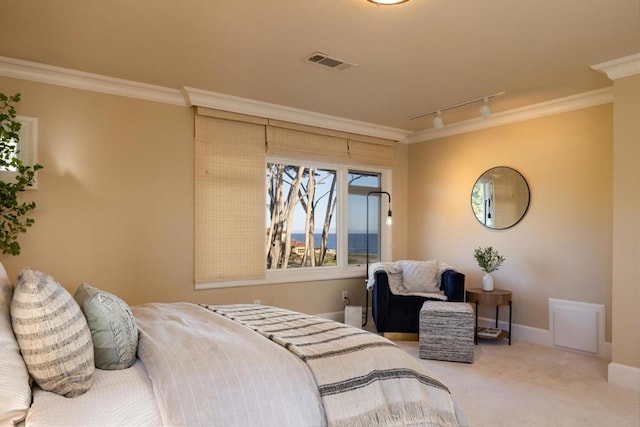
(363,379)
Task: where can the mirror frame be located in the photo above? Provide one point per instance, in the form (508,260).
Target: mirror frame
(488,173)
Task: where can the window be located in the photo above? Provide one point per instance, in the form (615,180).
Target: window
(25,148)
(301,216)
(360,184)
(279,202)
(316,217)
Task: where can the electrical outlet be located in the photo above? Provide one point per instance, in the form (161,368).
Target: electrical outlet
(345,297)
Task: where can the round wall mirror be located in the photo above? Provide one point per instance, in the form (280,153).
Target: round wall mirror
(500,198)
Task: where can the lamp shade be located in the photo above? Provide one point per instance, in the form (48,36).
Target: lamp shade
(387,2)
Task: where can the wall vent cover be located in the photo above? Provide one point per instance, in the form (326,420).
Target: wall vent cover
(328,61)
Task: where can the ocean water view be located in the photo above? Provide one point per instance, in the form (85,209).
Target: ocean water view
(357,242)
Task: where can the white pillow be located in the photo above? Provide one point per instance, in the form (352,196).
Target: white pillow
(52,333)
(15,390)
(421,276)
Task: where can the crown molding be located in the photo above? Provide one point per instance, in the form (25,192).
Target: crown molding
(33,71)
(203,98)
(49,74)
(548,108)
(621,67)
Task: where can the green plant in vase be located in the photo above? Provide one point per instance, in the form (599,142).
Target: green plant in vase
(489,260)
(15,178)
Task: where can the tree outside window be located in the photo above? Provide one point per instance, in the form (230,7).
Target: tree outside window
(301,216)
(302,209)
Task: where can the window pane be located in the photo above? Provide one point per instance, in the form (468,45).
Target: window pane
(360,184)
(360,179)
(301,216)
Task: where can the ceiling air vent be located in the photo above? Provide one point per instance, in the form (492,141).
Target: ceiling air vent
(328,61)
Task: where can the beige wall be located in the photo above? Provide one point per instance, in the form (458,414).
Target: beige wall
(562,247)
(400,205)
(626,224)
(115,203)
(115,206)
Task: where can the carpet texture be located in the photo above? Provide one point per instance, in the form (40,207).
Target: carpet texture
(528,385)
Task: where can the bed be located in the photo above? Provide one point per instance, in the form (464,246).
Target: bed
(184,364)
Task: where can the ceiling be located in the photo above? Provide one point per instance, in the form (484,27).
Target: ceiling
(411,58)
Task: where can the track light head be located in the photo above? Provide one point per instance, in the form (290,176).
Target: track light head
(485,111)
(437,121)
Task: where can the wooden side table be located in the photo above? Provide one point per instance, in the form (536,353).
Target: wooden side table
(496,297)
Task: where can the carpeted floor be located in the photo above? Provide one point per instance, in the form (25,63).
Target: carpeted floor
(528,385)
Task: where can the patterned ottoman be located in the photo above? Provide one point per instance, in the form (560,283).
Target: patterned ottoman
(446,331)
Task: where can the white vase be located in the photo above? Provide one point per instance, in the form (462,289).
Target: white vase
(487,282)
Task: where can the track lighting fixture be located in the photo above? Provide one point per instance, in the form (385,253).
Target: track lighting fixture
(485,110)
(437,121)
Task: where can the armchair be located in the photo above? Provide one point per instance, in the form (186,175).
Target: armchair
(400,313)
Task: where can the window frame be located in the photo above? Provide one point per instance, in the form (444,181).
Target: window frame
(28,149)
(343,270)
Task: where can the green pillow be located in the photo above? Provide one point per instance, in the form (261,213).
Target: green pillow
(113,328)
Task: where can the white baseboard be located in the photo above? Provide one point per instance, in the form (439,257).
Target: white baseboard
(624,376)
(540,336)
(519,332)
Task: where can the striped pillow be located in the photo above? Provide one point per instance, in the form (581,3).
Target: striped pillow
(52,333)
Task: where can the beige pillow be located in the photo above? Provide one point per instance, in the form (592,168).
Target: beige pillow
(52,333)
(421,276)
(15,390)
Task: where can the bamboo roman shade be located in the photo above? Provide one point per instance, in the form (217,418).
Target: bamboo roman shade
(301,142)
(229,200)
(231,151)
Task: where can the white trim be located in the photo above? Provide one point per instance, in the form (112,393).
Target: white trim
(624,376)
(539,336)
(274,277)
(33,71)
(621,67)
(548,108)
(187,96)
(235,104)
(28,148)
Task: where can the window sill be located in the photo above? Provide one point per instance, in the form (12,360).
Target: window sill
(292,276)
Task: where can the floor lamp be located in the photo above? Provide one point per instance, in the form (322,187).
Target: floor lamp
(388,222)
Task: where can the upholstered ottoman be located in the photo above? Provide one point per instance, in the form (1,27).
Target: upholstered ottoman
(446,331)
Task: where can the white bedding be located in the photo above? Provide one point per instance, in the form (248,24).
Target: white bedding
(116,398)
(207,370)
(195,368)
